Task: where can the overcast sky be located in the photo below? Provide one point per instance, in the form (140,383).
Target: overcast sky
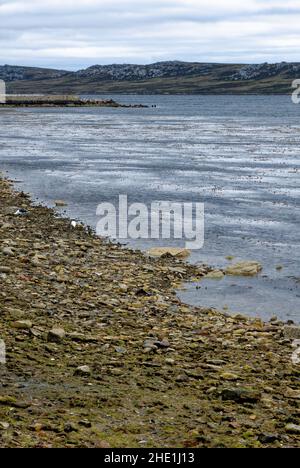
(74,34)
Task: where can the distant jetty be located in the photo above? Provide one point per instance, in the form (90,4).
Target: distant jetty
(31,100)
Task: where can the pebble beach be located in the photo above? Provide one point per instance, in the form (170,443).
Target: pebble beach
(100,351)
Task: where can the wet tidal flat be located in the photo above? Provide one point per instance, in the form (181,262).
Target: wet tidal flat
(239,155)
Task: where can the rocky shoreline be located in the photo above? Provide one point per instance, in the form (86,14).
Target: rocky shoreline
(101,352)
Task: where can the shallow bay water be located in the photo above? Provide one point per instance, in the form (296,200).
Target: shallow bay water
(237,154)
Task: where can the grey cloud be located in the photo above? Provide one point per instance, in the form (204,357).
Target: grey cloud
(55,34)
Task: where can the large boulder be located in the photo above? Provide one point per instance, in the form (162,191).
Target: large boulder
(215,274)
(244,269)
(175,252)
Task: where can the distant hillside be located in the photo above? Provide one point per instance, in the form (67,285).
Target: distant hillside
(163,77)
(10,73)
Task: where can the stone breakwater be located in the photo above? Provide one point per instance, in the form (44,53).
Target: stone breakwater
(61,101)
(100,352)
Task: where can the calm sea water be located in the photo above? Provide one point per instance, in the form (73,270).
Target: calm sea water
(240,155)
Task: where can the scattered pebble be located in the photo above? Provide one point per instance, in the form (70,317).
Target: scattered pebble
(56,335)
(22,324)
(83,371)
